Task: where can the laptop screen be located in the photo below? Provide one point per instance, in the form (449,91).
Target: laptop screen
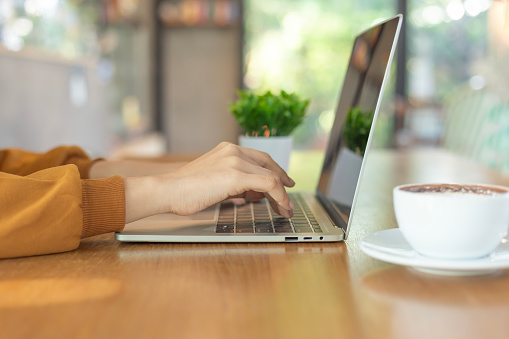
(356,113)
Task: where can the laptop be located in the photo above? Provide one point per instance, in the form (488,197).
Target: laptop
(324,216)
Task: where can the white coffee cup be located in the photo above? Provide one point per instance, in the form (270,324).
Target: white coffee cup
(451,221)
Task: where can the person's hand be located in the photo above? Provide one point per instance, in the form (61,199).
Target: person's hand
(228,171)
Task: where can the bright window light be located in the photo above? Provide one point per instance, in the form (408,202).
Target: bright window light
(455,10)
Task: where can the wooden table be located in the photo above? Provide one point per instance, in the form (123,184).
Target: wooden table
(107,289)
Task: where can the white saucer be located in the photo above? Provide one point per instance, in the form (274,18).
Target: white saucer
(391,246)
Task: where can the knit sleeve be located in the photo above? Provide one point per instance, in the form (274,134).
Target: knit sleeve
(49,211)
(21,162)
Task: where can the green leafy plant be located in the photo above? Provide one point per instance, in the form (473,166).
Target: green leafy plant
(357,127)
(268,114)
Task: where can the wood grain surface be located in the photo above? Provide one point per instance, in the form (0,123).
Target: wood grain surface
(107,289)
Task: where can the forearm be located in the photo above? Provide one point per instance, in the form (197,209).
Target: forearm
(131,168)
(146,196)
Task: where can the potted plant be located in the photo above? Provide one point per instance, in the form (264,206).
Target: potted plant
(348,166)
(357,127)
(267,120)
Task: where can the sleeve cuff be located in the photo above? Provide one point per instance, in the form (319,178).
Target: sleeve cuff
(103,205)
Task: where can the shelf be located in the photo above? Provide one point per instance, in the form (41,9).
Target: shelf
(204,26)
(213,14)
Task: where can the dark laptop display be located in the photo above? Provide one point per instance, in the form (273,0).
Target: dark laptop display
(356,112)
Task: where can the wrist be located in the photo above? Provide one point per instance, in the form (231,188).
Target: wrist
(144,197)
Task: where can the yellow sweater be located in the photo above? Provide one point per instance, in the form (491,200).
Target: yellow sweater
(47,202)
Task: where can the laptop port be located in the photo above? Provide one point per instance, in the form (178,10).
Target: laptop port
(292,239)
(308,238)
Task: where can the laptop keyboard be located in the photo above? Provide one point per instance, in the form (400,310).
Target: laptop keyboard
(259,217)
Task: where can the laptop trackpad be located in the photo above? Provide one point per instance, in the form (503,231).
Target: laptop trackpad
(206,217)
(206,214)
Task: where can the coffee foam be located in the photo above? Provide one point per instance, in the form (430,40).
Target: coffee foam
(454,189)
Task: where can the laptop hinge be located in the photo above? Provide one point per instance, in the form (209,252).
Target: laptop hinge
(332,211)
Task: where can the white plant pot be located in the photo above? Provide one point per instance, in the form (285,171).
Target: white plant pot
(279,148)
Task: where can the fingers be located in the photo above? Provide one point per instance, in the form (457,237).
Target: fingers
(256,158)
(264,160)
(253,196)
(277,208)
(248,196)
(273,181)
(265,176)
(273,190)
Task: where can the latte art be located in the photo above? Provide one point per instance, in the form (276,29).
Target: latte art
(456,189)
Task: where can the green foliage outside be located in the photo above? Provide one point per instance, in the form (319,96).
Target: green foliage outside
(269,114)
(357,127)
(303,46)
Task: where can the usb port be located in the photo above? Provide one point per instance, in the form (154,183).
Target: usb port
(290,239)
(308,238)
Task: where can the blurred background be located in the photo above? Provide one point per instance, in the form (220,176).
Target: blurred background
(142,78)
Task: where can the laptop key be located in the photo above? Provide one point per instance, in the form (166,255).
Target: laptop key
(282,225)
(264,230)
(225,225)
(303,230)
(279,225)
(244,230)
(225,222)
(225,230)
(226,207)
(300,223)
(302,226)
(263,224)
(283,229)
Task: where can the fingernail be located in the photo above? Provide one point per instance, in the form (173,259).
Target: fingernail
(292,205)
(291,181)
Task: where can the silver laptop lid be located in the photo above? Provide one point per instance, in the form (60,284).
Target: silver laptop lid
(356,113)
